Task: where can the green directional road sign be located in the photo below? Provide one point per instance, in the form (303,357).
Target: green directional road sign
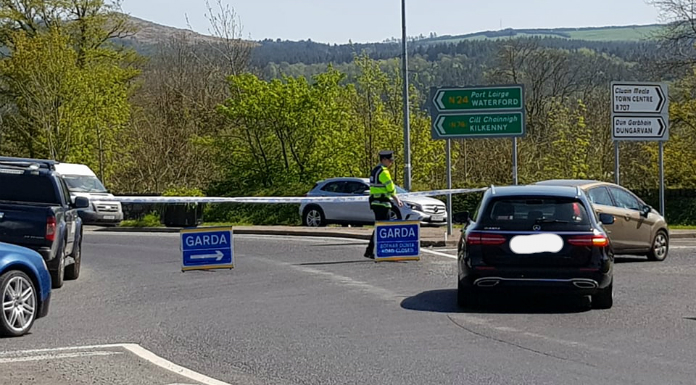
(492,98)
(479,125)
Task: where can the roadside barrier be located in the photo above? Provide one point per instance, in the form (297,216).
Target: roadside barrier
(142,199)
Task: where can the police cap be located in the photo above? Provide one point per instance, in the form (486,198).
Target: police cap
(386,155)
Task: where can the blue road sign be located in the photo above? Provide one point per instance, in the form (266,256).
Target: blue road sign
(207,248)
(397,241)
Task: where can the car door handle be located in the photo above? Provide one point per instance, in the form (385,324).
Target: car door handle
(627,217)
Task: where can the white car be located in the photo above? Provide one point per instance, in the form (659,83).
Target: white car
(424,209)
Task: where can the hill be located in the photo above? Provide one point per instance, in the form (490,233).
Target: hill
(630,33)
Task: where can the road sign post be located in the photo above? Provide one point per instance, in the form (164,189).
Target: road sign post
(640,112)
(479,112)
(397,241)
(207,248)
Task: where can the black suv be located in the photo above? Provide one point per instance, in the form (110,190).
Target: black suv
(541,239)
(36,212)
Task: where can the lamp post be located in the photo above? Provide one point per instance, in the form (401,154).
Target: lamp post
(404,71)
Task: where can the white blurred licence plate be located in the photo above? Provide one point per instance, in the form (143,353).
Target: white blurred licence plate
(109,217)
(437,218)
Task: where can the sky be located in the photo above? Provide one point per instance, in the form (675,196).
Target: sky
(338,21)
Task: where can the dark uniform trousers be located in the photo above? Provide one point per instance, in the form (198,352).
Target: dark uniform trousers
(381,214)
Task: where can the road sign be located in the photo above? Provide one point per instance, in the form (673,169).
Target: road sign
(484,98)
(643,98)
(479,125)
(640,111)
(397,241)
(640,128)
(207,248)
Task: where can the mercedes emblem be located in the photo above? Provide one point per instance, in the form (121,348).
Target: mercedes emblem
(536,227)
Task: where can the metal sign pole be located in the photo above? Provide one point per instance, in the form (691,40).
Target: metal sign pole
(616,163)
(662,178)
(407,123)
(448,149)
(514,161)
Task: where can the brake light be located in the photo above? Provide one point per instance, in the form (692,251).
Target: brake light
(51,229)
(484,239)
(589,241)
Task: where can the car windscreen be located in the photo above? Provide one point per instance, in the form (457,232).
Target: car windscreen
(27,188)
(84,184)
(536,213)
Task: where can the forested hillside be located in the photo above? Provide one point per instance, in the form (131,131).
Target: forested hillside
(225,116)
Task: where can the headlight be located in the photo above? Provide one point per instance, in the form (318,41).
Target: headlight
(414,206)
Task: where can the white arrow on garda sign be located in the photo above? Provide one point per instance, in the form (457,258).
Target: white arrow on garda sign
(640,128)
(217,256)
(639,98)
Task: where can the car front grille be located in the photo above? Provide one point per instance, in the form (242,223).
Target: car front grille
(107,208)
(434,209)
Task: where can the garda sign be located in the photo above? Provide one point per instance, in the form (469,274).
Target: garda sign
(640,111)
(397,241)
(207,248)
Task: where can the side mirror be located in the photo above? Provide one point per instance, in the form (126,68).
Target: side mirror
(82,202)
(366,192)
(645,211)
(462,217)
(606,219)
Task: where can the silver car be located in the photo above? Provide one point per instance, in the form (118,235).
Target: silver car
(424,209)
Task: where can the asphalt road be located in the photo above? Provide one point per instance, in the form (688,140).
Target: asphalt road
(313,311)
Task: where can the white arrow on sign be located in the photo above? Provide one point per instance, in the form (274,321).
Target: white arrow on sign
(217,256)
(638,98)
(640,128)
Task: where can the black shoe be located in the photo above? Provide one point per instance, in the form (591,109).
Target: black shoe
(369,255)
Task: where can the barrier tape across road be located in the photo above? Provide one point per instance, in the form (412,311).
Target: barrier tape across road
(137,199)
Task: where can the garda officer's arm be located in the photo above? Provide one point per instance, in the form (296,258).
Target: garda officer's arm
(386,180)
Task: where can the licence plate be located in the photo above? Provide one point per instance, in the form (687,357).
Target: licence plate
(437,218)
(109,217)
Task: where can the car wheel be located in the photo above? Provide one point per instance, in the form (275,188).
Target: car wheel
(605,298)
(314,217)
(58,271)
(660,247)
(19,304)
(465,297)
(72,272)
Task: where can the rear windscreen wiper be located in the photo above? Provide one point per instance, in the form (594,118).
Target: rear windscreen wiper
(550,221)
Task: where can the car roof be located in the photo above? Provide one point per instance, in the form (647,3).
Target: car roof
(569,182)
(534,190)
(344,179)
(74,169)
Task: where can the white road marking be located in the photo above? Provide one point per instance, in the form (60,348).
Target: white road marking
(170,366)
(133,348)
(438,253)
(56,356)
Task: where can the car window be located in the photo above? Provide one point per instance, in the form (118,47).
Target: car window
(625,199)
(559,214)
(334,187)
(355,188)
(28,188)
(600,195)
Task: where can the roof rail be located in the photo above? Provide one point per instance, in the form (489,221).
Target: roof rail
(493,189)
(28,162)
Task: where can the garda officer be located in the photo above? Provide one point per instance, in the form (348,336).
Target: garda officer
(382,190)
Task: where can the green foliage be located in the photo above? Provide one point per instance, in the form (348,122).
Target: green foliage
(149,220)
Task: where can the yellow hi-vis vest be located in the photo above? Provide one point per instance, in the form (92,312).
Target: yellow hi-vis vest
(381,187)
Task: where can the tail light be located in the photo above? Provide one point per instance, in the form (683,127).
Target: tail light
(484,239)
(51,229)
(589,241)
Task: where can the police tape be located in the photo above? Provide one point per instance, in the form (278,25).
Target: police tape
(271,200)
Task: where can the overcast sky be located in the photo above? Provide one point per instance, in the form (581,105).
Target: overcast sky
(337,21)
